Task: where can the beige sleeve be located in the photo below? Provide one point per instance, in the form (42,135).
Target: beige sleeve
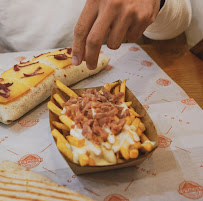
(172,20)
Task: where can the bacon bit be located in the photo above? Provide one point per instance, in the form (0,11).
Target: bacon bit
(41,54)
(1,79)
(34,73)
(17,67)
(87,132)
(69,49)
(60,57)
(93,123)
(4,87)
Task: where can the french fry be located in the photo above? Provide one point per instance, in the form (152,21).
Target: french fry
(56,110)
(59,99)
(109,86)
(109,155)
(147,146)
(62,144)
(133,112)
(91,162)
(144,138)
(66,120)
(75,141)
(122,89)
(130,119)
(83,159)
(137,145)
(136,122)
(129,103)
(139,132)
(66,90)
(134,153)
(65,150)
(58,136)
(142,127)
(124,150)
(60,125)
(116,89)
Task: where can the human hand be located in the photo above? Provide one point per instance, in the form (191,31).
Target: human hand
(117,19)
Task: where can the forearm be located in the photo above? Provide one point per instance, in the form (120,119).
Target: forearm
(173,19)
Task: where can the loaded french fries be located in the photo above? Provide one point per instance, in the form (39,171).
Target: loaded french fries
(98,128)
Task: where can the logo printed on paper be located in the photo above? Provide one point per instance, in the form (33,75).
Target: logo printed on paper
(146,107)
(115,197)
(134,49)
(164,142)
(20,58)
(163,82)
(147,63)
(189,101)
(28,123)
(30,161)
(191,190)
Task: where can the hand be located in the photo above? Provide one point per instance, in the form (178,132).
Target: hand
(117,19)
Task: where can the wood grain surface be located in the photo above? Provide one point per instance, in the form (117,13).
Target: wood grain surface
(180,64)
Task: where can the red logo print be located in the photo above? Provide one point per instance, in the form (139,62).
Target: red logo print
(147,63)
(164,142)
(28,123)
(189,101)
(109,67)
(163,82)
(116,197)
(135,49)
(190,190)
(146,107)
(20,58)
(30,161)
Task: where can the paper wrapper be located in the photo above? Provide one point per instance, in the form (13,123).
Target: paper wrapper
(150,132)
(172,172)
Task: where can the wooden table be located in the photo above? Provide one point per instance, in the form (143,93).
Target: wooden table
(180,64)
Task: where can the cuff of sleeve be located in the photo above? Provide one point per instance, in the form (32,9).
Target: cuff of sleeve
(173,19)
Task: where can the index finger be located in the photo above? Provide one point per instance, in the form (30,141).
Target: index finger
(82,29)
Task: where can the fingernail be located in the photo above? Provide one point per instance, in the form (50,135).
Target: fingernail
(91,67)
(75,60)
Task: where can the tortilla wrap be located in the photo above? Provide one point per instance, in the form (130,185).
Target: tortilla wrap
(36,91)
(18,183)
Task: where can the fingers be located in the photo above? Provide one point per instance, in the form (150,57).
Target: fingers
(96,37)
(83,26)
(118,32)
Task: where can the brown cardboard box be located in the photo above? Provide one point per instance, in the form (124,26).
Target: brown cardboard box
(150,132)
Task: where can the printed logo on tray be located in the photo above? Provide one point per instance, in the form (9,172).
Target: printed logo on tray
(28,123)
(20,58)
(164,142)
(190,190)
(134,49)
(147,63)
(189,101)
(163,82)
(115,197)
(30,161)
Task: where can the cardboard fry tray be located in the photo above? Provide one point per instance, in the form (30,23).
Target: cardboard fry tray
(150,132)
